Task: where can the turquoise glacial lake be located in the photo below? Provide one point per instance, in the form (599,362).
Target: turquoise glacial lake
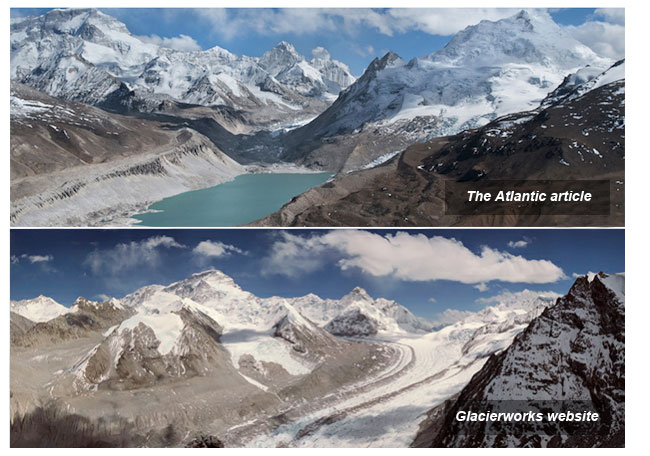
(243,200)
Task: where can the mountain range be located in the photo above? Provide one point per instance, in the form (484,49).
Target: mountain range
(82,84)
(88,56)
(307,371)
(576,133)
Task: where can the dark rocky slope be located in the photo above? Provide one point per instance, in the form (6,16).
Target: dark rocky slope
(578,137)
(574,351)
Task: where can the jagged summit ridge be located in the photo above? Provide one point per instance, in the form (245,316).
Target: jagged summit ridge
(527,37)
(485,71)
(42,48)
(573,351)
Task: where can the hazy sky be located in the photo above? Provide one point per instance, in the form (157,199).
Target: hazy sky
(353,36)
(428,271)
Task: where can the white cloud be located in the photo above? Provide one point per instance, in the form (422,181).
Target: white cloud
(604,38)
(127,256)
(229,23)
(362,51)
(180,42)
(482,287)
(101,297)
(611,15)
(509,297)
(293,255)
(433,300)
(444,21)
(31,258)
(451,316)
(38,258)
(215,249)
(320,52)
(518,244)
(405,257)
(603,32)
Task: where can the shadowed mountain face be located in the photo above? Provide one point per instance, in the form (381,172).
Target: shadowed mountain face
(574,351)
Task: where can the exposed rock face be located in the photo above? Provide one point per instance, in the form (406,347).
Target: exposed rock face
(291,69)
(133,356)
(198,116)
(85,317)
(580,135)
(203,357)
(364,316)
(75,164)
(574,351)
(352,323)
(465,85)
(18,326)
(304,336)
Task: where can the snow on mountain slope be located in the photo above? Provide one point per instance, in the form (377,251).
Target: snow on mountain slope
(614,73)
(84,319)
(86,55)
(585,80)
(239,309)
(321,76)
(365,316)
(573,351)
(38,309)
(315,308)
(437,365)
(167,337)
(485,71)
(260,334)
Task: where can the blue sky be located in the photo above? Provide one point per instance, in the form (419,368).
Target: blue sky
(353,36)
(450,265)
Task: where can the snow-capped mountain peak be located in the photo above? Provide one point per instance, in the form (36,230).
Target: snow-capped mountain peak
(39,309)
(91,57)
(317,77)
(356,295)
(282,56)
(486,70)
(76,21)
(526,37)
(573,351)
(364,316)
